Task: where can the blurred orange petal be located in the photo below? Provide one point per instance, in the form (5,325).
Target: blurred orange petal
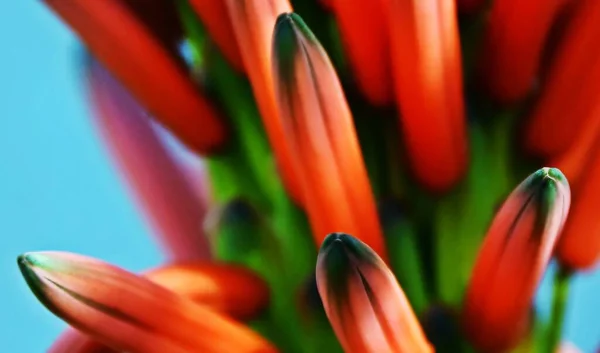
(579,245)
(582,153)
(163,191)
(426,64)
(253,23)
(320,130)
(363,301)
(226,288)
(130,313)
(512,260)
(215,18)
(572,88)
(513,46)
(366,42)
(149,71)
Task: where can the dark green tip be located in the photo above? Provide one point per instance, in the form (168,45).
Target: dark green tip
(348,245)
(341,256)
(290,33)
(289,22)
(545,191)
(26,263)
(543,185)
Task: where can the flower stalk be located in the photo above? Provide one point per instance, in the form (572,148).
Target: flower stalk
(560,296)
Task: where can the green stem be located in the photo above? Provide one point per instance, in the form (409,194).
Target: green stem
(560,294)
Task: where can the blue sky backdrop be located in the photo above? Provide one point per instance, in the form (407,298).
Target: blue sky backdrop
(59,190)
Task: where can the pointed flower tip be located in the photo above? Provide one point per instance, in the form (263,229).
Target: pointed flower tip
(291,24)
(26,267)
(31,262)
(338,258)
(37,268)
(342,246)
(363,301)
(549,188)
(289,34)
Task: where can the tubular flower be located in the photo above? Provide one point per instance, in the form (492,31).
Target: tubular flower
(579,246)
(127,312)
(208,284)
(363,300)
(428,83)
(514,46)
(147,67)
(307,118)
(516,250)
(576,60)
(318,123)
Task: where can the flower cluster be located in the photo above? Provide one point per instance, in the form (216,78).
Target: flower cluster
(423,145)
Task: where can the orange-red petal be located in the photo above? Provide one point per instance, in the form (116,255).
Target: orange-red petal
(512,260)
(363,301)
(579,245)
(226,288)
(150,72)
(253,23)
(366,42)
(229,289)
(427,71)
(130,313)
(572,87)
(513,46)
(320,132)
(216,19)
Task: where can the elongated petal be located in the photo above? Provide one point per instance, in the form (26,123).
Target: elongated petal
(579,245)
(162,189)
(228,289)
(572,87)
(216,19)
(319,128)
(127,312)
(512,260)
(513,46)
(582,153)
(427,73)
(363,301)
(253,23)
(154,76)
(366,41)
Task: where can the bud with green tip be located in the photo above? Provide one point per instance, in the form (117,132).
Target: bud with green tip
(513,258)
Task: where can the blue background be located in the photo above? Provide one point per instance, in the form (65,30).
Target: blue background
(60,191)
